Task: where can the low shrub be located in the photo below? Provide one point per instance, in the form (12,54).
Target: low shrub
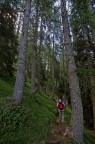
(14,119)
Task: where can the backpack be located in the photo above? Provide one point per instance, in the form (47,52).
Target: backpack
(61,106)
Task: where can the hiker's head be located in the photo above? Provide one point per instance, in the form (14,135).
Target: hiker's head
(59,100)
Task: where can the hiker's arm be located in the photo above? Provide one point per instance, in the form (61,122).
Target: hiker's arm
(57,104)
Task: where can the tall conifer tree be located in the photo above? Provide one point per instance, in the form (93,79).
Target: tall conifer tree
(77,110)
(19,84)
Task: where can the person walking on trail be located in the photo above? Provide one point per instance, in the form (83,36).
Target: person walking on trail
(61,106)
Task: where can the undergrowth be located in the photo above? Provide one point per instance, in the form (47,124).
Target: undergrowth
(26,124)
(32,121)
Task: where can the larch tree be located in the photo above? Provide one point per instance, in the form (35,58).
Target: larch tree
(77,110)
(19,84)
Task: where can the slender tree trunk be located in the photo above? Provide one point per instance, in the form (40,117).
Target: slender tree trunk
(77,110)
(34,55)
(92,81)
(19,84)
(39,56)
(64,67)
(92,89)
(53,78)
(93,98)
(19,24)
(92,77)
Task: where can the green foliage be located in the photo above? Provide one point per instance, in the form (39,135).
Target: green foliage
(89,137)
(83,49)
(68,141)
(43,116)
(6,89)
(67,115)
(8,39)
(82,15)
(40,113)
(14,119)
(85,75)
(32,121)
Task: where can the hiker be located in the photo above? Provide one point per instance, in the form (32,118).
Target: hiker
(61,106)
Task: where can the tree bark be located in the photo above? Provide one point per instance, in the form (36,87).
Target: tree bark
(39,60)
(77,109)
(53,72)
(19,84)
(90,66)
(92,92)
(19,24)
(34,55)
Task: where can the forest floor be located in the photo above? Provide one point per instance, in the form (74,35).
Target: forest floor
(58,132)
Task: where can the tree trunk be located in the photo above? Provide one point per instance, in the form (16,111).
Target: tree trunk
(92,81)
(34,55)
(92,90)
(93,99)
(19,84)
(39,60)
(19,23)
(53,77)
(77,110)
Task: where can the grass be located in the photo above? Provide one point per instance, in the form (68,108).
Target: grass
(43,116)
(6,89)
(68,141)
(89,137)
(67,115)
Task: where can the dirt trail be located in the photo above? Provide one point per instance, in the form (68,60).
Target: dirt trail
(57,134)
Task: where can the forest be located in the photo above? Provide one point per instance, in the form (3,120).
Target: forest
(47,53)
